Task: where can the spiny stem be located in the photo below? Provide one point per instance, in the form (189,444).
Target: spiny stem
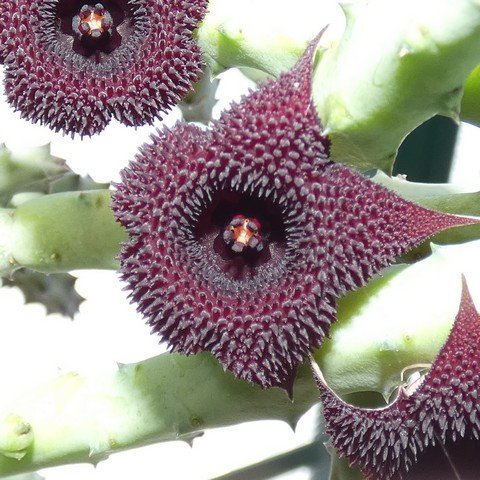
(169,397)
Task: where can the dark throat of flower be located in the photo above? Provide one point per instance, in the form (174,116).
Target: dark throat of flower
(243,235)
(96,29)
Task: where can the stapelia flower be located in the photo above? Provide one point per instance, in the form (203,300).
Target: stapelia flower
(75,64)
(430,433)
(243,236)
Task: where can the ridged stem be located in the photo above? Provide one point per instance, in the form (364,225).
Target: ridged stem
(76,230)
(398,64)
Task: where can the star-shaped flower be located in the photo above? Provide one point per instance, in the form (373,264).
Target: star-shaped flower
(428,432)
(75,64)
(243,236)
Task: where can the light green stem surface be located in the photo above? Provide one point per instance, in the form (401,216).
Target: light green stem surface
(22,169)
(60,232)
(398,64)
(76,230)
(471,98)
(407,315)
(269,35)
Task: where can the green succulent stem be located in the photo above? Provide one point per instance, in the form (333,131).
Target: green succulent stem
(340,470)
(169,397)
(20,170)
(471,98)
(397,64)
(60,232)
(173,397)
(269,35)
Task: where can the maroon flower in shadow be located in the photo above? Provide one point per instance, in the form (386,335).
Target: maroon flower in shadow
(242,236)
(430,433)
(75,64)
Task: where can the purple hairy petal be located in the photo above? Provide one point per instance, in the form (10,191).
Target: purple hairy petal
(432,432)
(242,236)
(76,64)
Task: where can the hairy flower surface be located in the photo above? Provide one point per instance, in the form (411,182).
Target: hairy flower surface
(242,236)
(75,64)
(430,433)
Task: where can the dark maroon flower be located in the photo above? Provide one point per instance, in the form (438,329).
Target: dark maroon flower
(243,236)
(430,433)
(75,64)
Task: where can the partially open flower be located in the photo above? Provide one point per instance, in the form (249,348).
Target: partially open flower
(428,432)
(75,64)
(243,236)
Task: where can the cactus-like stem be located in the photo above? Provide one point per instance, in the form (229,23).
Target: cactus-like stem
(398,64)
(19,170)
(76,230)
(169,397)
(198,105)
(269,35)
(60,232)
(172,397)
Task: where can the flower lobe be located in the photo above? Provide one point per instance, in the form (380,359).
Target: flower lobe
(425,433)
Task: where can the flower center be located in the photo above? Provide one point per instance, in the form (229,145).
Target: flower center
(243,232)
(247,249)
(93,22)
(94,30)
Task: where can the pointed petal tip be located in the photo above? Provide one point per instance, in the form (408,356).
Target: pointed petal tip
(322,385)
(434,222)
(287,384)
(305,62)
(460,220)
(292,424)
(300,75)
(467,296)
